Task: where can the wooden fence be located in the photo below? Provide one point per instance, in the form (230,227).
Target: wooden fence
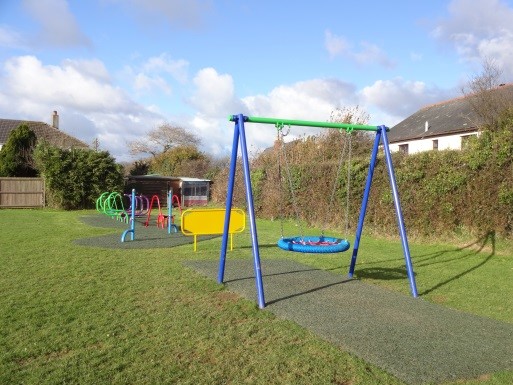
(22,192)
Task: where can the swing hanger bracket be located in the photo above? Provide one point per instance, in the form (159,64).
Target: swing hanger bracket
(279,128)
(348,130)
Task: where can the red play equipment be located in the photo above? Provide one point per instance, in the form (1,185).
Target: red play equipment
(176,199)
(160,217)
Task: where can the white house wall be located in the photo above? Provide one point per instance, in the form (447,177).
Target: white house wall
(452,142)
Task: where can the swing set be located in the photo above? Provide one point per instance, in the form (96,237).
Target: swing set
(308,244)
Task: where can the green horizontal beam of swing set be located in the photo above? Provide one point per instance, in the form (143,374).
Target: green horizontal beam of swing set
(306,123)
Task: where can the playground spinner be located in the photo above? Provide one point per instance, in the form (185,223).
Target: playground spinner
(239,141)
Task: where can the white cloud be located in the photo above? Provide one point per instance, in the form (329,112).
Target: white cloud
(335,45)
(479,29)
(91,106)
(215,100)
(215,93)
(500,49)
(27,78)
(371,53)
(144,82)
(312,100)
(88,104)
(156,74)
(10,38)
(165,64)
(93,68)
(307,100)
(397,98)
(367,54)
(58,25)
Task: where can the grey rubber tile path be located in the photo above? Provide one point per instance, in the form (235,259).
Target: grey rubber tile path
(417,341)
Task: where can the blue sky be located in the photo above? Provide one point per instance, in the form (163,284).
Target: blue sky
(115,69)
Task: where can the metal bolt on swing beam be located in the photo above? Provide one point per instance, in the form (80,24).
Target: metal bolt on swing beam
(305,123)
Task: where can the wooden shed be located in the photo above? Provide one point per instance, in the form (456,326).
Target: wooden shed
(190,191)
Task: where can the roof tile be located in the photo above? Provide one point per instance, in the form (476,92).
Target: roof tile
(448,117)
(42,130)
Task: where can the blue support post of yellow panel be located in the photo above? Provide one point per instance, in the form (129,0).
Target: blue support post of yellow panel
(365,200)
(131,230)
(169,210)
(399,213)
(170,224)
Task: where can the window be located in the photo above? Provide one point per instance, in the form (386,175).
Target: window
(403,148)
(465,139)
(195,189)
(188,191)
(435,144)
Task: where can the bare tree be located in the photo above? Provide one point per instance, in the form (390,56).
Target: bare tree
(361,140)
(96,144)
(486,96)
(162,139)
(353,115)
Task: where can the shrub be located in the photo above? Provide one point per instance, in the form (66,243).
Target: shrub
(75,178)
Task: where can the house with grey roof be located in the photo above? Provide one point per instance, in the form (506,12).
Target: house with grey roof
(43,131)
(442,126)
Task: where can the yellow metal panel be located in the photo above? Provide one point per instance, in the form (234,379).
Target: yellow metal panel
(211,221)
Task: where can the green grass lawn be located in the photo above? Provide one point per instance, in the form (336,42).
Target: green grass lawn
(72,314)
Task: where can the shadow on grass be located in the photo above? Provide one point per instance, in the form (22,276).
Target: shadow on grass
(439,257)
(261,245)
(489,237)
(382,273)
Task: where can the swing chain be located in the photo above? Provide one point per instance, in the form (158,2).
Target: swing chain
(348,189)
(283,154)
(279,134)
(345,149)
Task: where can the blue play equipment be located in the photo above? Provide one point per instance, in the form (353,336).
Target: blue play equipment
(239,140)
(133,204)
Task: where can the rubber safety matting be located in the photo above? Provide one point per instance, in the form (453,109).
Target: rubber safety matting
(415,340)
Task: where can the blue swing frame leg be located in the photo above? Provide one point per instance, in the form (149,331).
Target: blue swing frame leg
(240,137)
(381,134)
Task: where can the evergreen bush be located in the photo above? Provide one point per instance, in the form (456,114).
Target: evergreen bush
(76,178)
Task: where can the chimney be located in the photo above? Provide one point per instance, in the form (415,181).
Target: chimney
(426,126)
(55,120)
